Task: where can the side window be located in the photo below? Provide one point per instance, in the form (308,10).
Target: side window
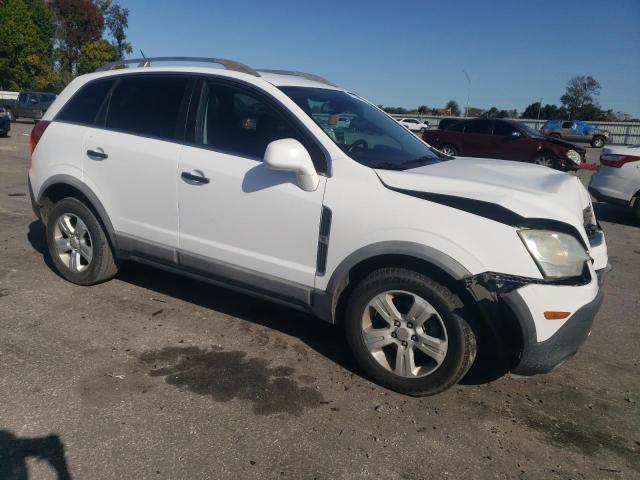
(147,105)
(238,122)
(503,129)
(568,125)
(458,127)
(22,97)
(410,120)
(479,127)
(84,105)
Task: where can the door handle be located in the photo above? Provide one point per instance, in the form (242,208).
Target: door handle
(97,154)
(192,177)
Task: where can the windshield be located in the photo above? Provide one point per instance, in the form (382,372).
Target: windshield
(529,131)
(362,131)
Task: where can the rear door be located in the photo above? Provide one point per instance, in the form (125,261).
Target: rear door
(131,158)
(238,218)
(475,141)
(20,109)
(570,131)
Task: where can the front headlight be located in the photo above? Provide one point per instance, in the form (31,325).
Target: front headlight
(557,255)
(574,156)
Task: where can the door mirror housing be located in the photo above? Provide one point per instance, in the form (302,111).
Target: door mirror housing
(289,155)
(516,134)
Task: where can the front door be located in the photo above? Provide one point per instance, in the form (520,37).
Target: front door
(238,218)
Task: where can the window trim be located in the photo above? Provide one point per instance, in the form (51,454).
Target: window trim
(186,122)
(180,121)
(194,117)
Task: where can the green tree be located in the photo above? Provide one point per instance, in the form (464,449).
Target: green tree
(95,54)
(423,110)
(24,62)
(452,108)
(582,92)
(117,21)
(78,22)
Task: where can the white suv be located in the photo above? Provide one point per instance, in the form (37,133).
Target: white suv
(246,178)
(414,124)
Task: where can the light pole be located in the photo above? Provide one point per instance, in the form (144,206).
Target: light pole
(466,109)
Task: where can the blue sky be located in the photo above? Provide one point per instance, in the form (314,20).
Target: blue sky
(409,53)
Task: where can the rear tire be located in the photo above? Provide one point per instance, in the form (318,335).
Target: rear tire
(597,142)
(448,149)
(427,326)
(636,210)
(78,244)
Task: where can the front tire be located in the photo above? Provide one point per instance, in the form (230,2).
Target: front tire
(78,244)
(636,210)
(409,333)
(597,142)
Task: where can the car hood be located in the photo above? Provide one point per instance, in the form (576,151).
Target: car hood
(563,143)
(531,191)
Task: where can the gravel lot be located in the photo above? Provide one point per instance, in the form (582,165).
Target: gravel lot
(155,376)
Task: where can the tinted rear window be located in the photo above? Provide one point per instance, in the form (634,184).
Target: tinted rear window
(84,105)
(147,105)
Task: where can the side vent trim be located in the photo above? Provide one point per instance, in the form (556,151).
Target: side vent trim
(323,241)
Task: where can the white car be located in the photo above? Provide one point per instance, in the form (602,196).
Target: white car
(234,176)
(414,124)
(617,181)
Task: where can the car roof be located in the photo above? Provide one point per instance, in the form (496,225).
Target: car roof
(288,79)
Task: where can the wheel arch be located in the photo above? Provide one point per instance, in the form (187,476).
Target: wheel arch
(62,186)
(329,304)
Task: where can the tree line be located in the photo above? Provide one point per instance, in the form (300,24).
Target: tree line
(579,102)
(44,44)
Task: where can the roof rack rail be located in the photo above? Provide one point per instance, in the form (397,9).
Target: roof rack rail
(308,76)
(146,62)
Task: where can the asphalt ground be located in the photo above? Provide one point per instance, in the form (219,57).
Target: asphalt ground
(153,376)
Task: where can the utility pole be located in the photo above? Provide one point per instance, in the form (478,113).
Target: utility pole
(539,107)
(466,110)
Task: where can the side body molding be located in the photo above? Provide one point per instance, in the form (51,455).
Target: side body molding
(324,302)
(87,192)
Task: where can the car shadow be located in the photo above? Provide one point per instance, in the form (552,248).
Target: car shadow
(326,339)
(606,212)
(14,452)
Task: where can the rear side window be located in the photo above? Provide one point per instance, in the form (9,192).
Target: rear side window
(84,105)
(458,127)
(478,126)
(147,105)
(567,125)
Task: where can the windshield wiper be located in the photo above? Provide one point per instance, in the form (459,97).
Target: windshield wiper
(386,166)
(424,160)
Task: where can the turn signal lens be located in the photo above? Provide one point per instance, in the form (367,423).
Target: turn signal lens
(556,315)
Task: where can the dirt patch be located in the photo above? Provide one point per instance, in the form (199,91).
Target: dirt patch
(225,376)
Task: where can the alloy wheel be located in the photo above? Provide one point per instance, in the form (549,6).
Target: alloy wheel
(404,333)
(544,160)
(448,151)
(73,242)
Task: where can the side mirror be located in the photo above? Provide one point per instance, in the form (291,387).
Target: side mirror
(289,155)
(516,134)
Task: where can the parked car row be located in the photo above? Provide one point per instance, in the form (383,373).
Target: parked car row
(504,139)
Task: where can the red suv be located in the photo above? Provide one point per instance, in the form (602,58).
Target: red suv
(505,139)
